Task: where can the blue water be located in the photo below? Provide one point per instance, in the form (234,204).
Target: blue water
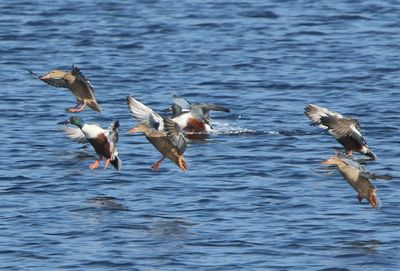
(255,196)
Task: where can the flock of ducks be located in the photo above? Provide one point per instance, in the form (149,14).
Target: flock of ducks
(348,133)
(169,135)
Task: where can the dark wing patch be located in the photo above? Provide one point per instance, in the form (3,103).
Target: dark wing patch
(210,107)
(315,113)
(175,134)
(79,76)
(56,82)
(338,127)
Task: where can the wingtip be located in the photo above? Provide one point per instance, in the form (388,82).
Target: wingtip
(32,73)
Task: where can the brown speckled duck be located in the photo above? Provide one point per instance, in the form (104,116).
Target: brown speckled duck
(75,81)
(345,130)
(358,178)
(165,135)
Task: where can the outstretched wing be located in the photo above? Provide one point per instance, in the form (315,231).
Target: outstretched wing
(315,113)
(113,138)
(205,108)
(144,114)
(371,175)
(81,78)
(58,82)
(179,101)
(175,134)
(75,134)
(344,127)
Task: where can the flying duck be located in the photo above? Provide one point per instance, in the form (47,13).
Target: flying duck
(193,117)
(358,178)
(344,129)
(75,81)
(103,141)
(165,135)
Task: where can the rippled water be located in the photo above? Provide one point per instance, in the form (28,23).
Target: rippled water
(255,196)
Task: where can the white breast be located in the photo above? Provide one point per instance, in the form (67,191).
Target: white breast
(182,120)
(92,131)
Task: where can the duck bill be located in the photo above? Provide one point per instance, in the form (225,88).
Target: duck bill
(326,162)
(64,122)
(132,131)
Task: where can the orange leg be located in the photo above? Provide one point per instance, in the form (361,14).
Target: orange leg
(95,164)
(107,163)
(372,200)
(157,164)
(181,164)
(75,109)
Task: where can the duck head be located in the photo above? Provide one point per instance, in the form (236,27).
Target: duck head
(74,120)
(175,109)
(334,160)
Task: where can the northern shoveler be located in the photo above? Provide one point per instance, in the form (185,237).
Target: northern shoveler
(165,135)
(358,178)
(103,141)
(345,130)
(193,117)
(75,81)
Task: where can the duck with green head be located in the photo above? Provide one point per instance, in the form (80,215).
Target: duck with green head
(103,141)
(75,81)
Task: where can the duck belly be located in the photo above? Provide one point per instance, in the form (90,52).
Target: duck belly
(350,144)
(165,147)
(195,125)
(101,146)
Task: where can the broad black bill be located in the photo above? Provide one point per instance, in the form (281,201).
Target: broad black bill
(65,122)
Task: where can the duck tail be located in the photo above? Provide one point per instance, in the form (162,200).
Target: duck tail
(115,125)
(93,105)
(116,163)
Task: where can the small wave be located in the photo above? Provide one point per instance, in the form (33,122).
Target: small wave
(107,202)
(227,129)
(265,14)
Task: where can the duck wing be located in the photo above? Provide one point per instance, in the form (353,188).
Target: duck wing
(58,82)
(144,114)
(371,175)
(112,135)
(82,79)
(75,134)
(175,135)
(343,127)
(184,104)
(113,138)
(205,108)
(315,113)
